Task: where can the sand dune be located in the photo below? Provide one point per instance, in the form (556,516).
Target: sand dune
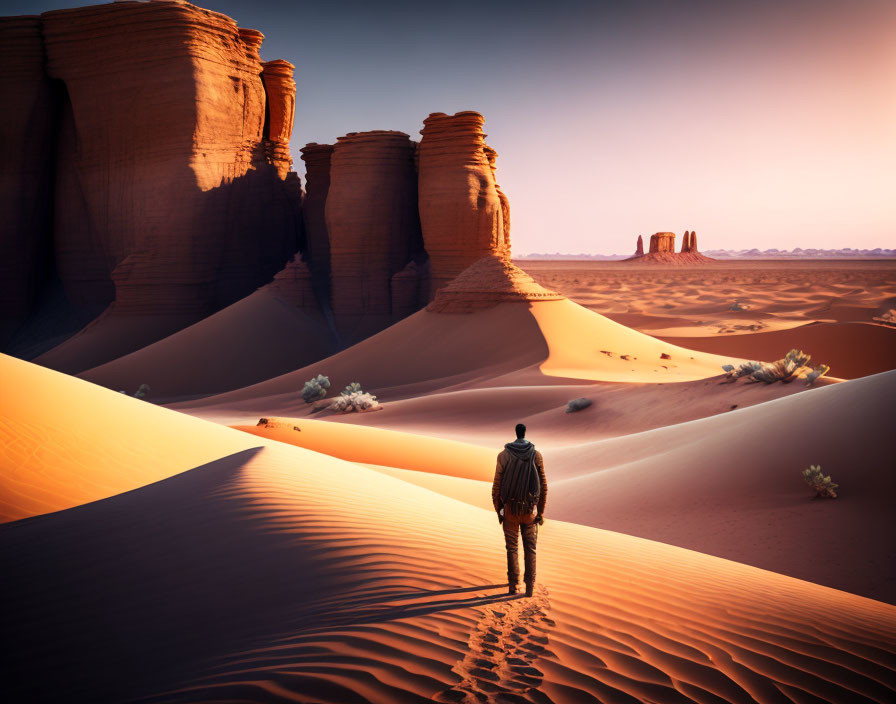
(851,350)
(432,351)
(109,337)
(728,485)
(277,573)
(64,441)
(256,338)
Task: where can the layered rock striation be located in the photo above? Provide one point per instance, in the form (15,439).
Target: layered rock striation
(372,220)
(491,280)
(463,214)
(173,193)
(662,242)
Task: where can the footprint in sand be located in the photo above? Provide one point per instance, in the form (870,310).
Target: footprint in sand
(502,653)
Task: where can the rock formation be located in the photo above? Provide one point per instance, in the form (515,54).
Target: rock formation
(293,285)
(662,250)
(280,93)
(26,169)
(462,212)
(172,194)
(317,241)
(662,242)
(491,280)
(372,220)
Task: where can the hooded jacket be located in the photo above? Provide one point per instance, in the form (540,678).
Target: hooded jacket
(513,466)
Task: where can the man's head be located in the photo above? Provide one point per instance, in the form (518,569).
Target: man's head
(520,431)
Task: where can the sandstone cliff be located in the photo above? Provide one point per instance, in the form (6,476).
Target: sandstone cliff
(462,212)
(173,194)
(372,220)
(26,169)
(639,248)
(317,241)
(662,242)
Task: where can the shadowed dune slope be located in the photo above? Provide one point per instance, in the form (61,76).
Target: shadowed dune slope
(731,485)
(64,441)
(851,350)
(277,574)
(256,338)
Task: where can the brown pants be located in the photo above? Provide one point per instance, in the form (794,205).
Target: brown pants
(513,526)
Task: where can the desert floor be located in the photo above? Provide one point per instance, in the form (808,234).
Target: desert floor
(176,550)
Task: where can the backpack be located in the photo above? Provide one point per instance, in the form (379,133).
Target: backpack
(520,485)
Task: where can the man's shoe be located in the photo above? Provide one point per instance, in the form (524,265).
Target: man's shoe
(529,589)
(513,589)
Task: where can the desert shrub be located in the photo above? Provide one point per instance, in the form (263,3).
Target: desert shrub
(142,392)
(353,388)
(263,421)
(816,373)
(822,485)
(578,404)
(315,389)
(794,364)
(356,401)
(745,369)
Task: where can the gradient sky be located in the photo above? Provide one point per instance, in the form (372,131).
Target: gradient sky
(757,123)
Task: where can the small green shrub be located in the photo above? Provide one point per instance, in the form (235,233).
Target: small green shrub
(353,388)
(142,392)
(315,389)
(822,485)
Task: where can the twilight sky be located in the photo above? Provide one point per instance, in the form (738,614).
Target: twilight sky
(759,123)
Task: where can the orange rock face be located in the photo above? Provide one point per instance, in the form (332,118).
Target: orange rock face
(171,194)
(372,220)
(639,249)
(26,168)
(692,243)
(463,214)
(280,91)
(662,242)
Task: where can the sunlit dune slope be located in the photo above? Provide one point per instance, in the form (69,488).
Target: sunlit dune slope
(851,350)
(282,574)
(64,441)
(429,351)
(256,338)
(383,447)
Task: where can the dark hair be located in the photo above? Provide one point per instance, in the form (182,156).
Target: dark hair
(520,431)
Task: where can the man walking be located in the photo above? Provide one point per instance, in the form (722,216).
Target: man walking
(519,493)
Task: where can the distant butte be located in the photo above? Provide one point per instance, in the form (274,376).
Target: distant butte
(662,250)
